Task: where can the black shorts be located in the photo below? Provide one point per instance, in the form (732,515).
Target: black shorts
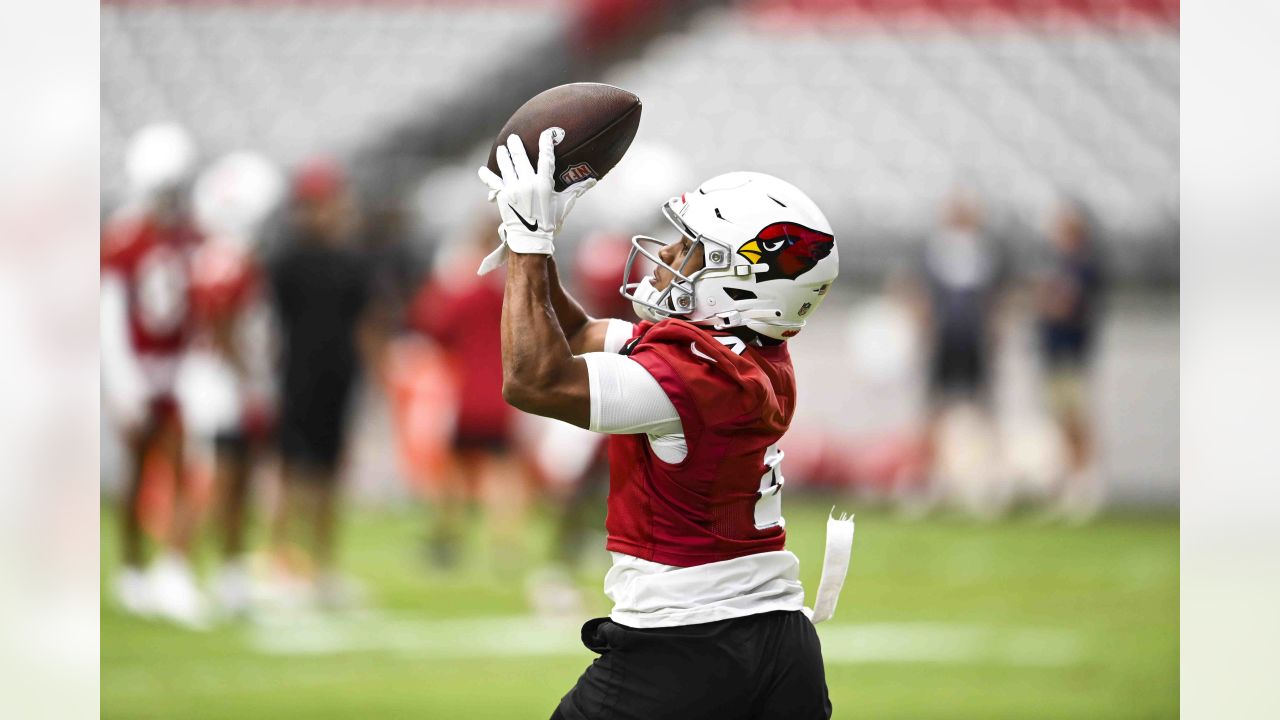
(959,369)
(490,443)
(231,442)
(313,426)
(757,667)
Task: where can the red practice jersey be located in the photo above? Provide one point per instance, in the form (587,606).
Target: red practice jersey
(154,263)
(465,317)
(735,401)
(225,279)
(228,295)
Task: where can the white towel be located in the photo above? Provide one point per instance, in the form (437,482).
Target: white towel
(834,567)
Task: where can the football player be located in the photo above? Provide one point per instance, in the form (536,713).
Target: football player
(708,617)
(229,371)
(146,324)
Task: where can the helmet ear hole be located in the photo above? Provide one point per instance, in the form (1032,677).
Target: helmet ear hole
(739,294)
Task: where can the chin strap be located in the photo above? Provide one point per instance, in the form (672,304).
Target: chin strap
(740,318)
(728,319)
(835,565)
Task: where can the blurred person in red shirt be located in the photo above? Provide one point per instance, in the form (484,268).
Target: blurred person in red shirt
(574,462)
(1069,302)
(321,292)
(596,263)
(462,312)
(146,323)
(228,375)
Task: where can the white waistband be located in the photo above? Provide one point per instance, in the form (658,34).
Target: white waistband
(648,594)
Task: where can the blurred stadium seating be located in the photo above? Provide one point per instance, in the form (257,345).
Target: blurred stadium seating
(880,108)
(291,79)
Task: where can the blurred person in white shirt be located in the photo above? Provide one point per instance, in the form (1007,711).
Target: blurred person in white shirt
(227,378)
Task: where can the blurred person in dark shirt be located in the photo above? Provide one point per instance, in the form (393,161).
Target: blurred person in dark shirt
(1068,301)
(320,284)
(462,313)
(961,270)
(961,275)
(395,270)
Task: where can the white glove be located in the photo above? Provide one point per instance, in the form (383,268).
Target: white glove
(532,211)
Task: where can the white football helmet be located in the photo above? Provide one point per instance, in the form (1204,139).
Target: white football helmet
(235,195)
(160,158)
(769,251)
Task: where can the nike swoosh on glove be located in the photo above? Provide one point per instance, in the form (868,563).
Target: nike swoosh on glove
(532,211)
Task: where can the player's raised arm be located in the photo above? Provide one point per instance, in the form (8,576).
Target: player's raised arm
(541,374)
(584,333)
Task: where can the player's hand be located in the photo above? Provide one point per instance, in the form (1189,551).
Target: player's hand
(532,211)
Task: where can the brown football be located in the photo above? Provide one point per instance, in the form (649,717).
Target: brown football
(599,123)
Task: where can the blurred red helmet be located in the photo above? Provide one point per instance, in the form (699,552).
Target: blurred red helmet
(317,180)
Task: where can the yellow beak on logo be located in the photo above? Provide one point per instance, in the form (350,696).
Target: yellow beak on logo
(751,251)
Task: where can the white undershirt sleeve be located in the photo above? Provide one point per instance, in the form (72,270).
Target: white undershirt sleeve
(124,384)
(625,399)
(617,334)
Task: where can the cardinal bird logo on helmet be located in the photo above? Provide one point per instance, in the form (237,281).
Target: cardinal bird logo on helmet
(790,249)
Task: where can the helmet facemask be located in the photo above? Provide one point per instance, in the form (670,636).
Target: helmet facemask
(678,298)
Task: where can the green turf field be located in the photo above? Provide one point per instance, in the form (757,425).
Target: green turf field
(939,619)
